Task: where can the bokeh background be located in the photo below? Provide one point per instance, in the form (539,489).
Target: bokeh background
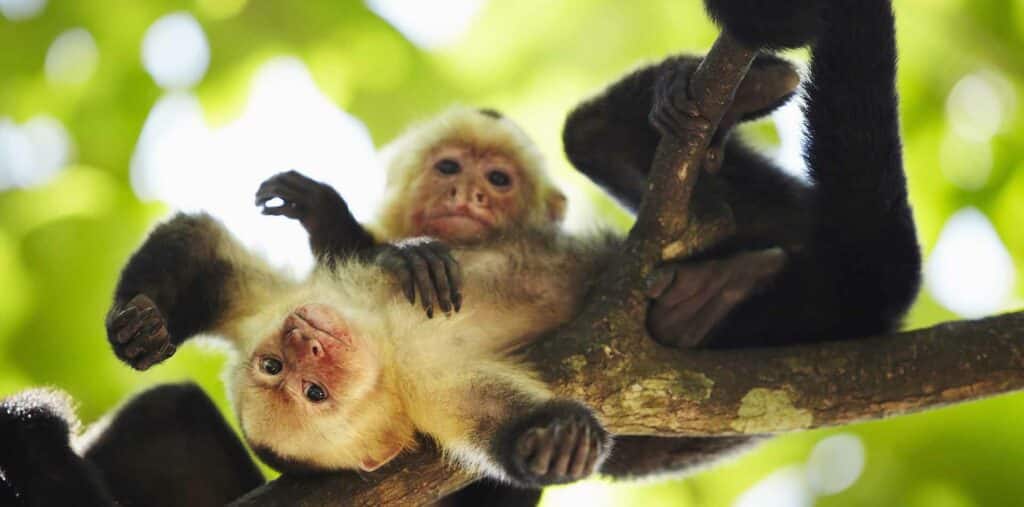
(114,113)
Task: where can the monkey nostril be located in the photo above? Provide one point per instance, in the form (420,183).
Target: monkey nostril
(316,351)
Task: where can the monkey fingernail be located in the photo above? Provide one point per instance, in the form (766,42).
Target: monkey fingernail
(457,301)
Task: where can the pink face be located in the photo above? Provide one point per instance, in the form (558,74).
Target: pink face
(465,194)
(315,358)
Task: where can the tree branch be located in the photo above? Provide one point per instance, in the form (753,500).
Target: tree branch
(651,390)
(605,358)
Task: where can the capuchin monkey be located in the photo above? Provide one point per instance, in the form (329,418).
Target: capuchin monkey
(168,446)
(833,259)
(833,281)
(464,177)
(338,371)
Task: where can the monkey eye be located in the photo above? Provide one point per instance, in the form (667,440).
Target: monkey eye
(271,366)
(447,166)
(315,393)
(499,178)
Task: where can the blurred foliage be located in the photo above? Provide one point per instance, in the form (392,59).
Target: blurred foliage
(62,243)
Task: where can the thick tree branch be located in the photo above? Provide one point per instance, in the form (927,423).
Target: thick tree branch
(649,390)
(605,358)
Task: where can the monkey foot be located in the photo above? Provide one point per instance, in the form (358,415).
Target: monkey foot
(138,333)
(676,115)
(561,442)
(691,297)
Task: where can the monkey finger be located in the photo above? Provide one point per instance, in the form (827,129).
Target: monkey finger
(265,195)
(439,274)
(271,189)
(392,260)
(664,125)
(688,117)
(288,209)
(706,320)
(594,453)
(580,454)
(421,274)
(154,357)
(692,281)
(292,181)
(454,271)
(566,445)
(527,445)
(540,462)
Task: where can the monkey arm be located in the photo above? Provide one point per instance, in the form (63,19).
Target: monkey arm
(612,137)
(423,265)
(333,231)
(189,277)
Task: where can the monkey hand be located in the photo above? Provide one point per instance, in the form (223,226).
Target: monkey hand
(676,115)
(557,443)
(425,264)
(312,203)
(690,298)
(138,333)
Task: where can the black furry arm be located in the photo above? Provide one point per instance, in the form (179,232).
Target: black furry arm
(187,278)
(610,137)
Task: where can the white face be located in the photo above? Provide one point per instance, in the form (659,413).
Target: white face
(309,392)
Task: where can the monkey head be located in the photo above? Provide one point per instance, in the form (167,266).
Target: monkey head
(465,176)
(315,389)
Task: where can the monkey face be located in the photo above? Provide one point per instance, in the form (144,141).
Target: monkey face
(466,194)
(316,378)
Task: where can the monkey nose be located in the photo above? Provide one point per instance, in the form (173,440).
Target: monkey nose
(303,345)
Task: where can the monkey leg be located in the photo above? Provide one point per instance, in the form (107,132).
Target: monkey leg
(690,298)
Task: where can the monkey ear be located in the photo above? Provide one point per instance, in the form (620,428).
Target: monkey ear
(370,463)
(555,203)
(769,83)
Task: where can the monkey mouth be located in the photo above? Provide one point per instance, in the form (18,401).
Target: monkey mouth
(456,225)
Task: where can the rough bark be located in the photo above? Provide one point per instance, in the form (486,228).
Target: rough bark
(605,358)
(643,389)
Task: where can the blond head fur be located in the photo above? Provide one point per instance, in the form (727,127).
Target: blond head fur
(404,160)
